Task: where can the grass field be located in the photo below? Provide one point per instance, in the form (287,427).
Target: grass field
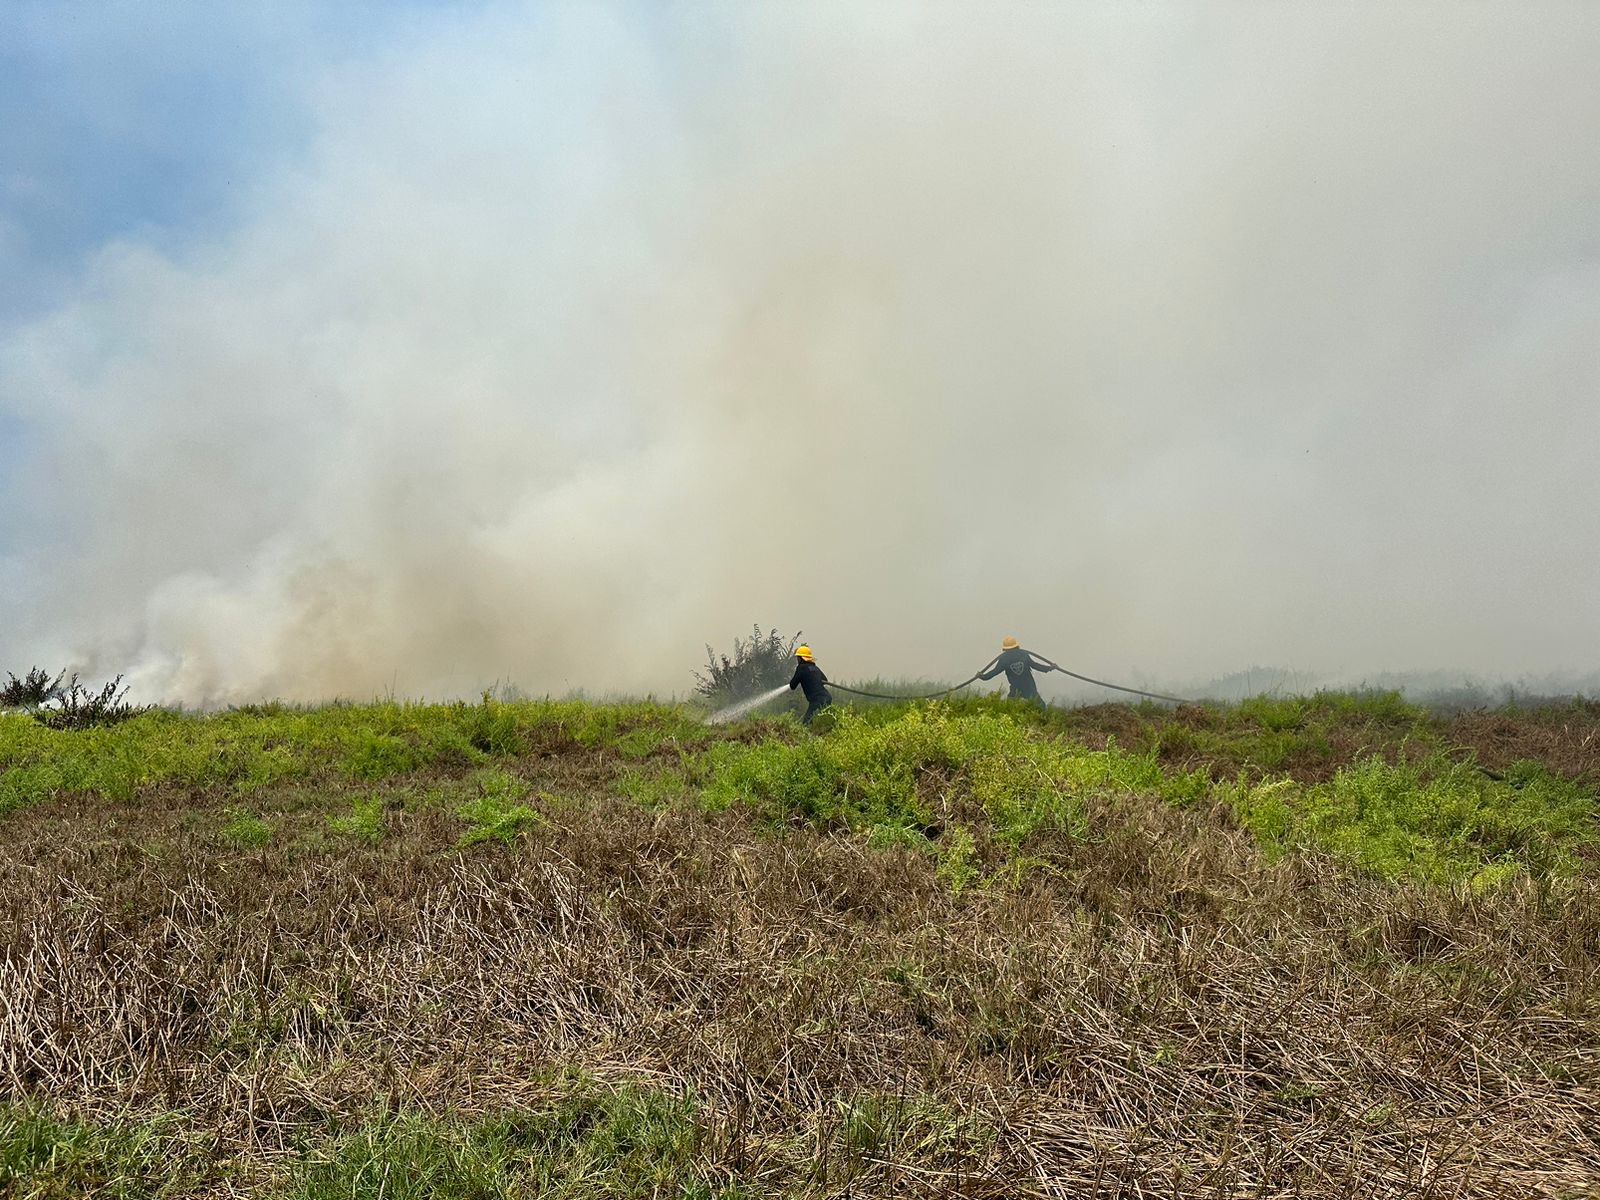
(1332,946)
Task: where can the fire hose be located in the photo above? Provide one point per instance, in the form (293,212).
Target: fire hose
(976,675)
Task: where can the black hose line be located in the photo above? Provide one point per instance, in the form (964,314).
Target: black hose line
(839,687)
(1116,687)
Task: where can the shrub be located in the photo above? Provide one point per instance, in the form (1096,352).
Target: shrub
(76,707)
(780,779)
(490,727)
(31,690)
(957,855)
(762,662)
(374,755)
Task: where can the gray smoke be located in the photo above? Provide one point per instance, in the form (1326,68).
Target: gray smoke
(1168,338)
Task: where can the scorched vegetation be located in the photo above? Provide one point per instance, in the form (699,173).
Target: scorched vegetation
(1320,947)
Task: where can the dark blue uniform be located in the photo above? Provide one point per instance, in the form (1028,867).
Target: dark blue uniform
(1019,666)
(809,677)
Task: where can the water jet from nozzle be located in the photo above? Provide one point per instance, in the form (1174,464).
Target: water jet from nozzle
(734,711)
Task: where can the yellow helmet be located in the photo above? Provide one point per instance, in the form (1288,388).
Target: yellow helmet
(803,652)
(1009,643)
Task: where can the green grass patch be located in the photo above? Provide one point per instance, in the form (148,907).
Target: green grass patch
(1287,713)
(46,1158)
(1439,820)
(593,1143)
(364,821)
(245,750)
(629,1143)
(497,813)
(656,788)
(246,830)
(887,768)
(874,1127)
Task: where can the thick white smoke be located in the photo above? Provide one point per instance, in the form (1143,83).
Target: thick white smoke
(1167,339)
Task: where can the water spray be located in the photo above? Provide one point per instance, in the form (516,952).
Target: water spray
(734,711)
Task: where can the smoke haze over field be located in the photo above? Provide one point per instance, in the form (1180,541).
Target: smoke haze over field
(563,340)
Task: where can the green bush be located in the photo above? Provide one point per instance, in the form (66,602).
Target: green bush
(34,688)
(490,727)
(371,755)
(758,664)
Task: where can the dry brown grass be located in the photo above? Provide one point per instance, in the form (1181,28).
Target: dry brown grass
(1564,737)
(1156,1011)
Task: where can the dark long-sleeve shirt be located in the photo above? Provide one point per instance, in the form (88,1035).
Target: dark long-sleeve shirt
(1019,666)
(809,676)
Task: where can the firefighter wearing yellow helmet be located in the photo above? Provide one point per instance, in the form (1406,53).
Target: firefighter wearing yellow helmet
(809,677)
(1019,666)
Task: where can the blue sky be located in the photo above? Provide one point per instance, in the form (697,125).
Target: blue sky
(149,122)
(150,119)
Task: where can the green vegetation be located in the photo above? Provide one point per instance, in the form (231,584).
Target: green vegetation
(758,663)
(364,821)
(1438,819)
(43,1158)
(1364,778)
(906,769)
(246,830)
(495,813)
(627,1143)
(247,750)
(590,1143)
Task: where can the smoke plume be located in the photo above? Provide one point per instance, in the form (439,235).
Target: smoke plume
(1169,339)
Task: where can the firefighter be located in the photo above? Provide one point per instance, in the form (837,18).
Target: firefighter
(809,676)
(1019,666)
